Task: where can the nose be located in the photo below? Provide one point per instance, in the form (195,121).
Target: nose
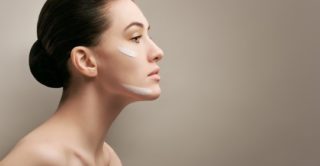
(155,53)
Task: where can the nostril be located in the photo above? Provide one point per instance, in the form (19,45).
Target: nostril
(157,58)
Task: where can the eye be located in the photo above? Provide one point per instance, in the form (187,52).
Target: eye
(136,39)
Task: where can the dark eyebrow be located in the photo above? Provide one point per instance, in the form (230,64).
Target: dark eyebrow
(139,24)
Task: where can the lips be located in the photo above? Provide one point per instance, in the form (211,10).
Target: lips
(154,72)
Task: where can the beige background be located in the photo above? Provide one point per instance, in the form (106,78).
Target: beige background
(240,81)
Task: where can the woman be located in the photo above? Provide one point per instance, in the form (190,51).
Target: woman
(100,52)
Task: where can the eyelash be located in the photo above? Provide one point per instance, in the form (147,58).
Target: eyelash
(135,39)
(139,37)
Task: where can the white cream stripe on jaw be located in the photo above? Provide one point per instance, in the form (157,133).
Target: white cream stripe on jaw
(127,51)
(138,90)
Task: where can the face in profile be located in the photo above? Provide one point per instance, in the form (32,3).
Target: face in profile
(126,56)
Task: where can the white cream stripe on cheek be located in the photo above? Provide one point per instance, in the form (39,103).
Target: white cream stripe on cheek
(127,51)
(138,90)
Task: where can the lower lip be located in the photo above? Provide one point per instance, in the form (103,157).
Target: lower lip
(155,77)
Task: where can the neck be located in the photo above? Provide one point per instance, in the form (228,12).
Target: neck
(89,115)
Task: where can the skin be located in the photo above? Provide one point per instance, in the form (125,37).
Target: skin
(75,134)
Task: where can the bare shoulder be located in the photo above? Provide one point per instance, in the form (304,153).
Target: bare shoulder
(32,153)
(114,158)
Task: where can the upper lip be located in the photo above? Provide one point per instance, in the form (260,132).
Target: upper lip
(155,71)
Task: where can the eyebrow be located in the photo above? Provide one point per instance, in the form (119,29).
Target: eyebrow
(139,24)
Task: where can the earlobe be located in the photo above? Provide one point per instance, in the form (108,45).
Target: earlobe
(84,61)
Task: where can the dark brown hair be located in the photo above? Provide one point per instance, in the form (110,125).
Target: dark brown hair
(63,25)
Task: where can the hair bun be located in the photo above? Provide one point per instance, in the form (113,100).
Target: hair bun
(43,67)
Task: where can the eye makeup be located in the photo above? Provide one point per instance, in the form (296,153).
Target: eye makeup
(138,90)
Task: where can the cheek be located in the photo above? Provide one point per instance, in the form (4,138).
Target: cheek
(125,67)
(122,65)
(127,52)
(134,59)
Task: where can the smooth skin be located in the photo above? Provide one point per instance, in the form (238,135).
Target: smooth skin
(75,134)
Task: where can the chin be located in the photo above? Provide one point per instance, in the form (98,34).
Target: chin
(153,95)
(142,93)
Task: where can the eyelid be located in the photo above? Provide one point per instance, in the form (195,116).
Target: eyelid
(136,34)
(138,37)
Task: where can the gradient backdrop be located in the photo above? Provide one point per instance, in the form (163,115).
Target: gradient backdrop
(240,81)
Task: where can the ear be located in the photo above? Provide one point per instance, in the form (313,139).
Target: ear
(83,61)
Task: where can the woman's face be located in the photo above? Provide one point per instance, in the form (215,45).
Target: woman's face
(126,56)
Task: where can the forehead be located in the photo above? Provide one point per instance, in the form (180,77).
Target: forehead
(123,12)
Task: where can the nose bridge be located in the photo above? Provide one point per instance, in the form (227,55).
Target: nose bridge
(155,52)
